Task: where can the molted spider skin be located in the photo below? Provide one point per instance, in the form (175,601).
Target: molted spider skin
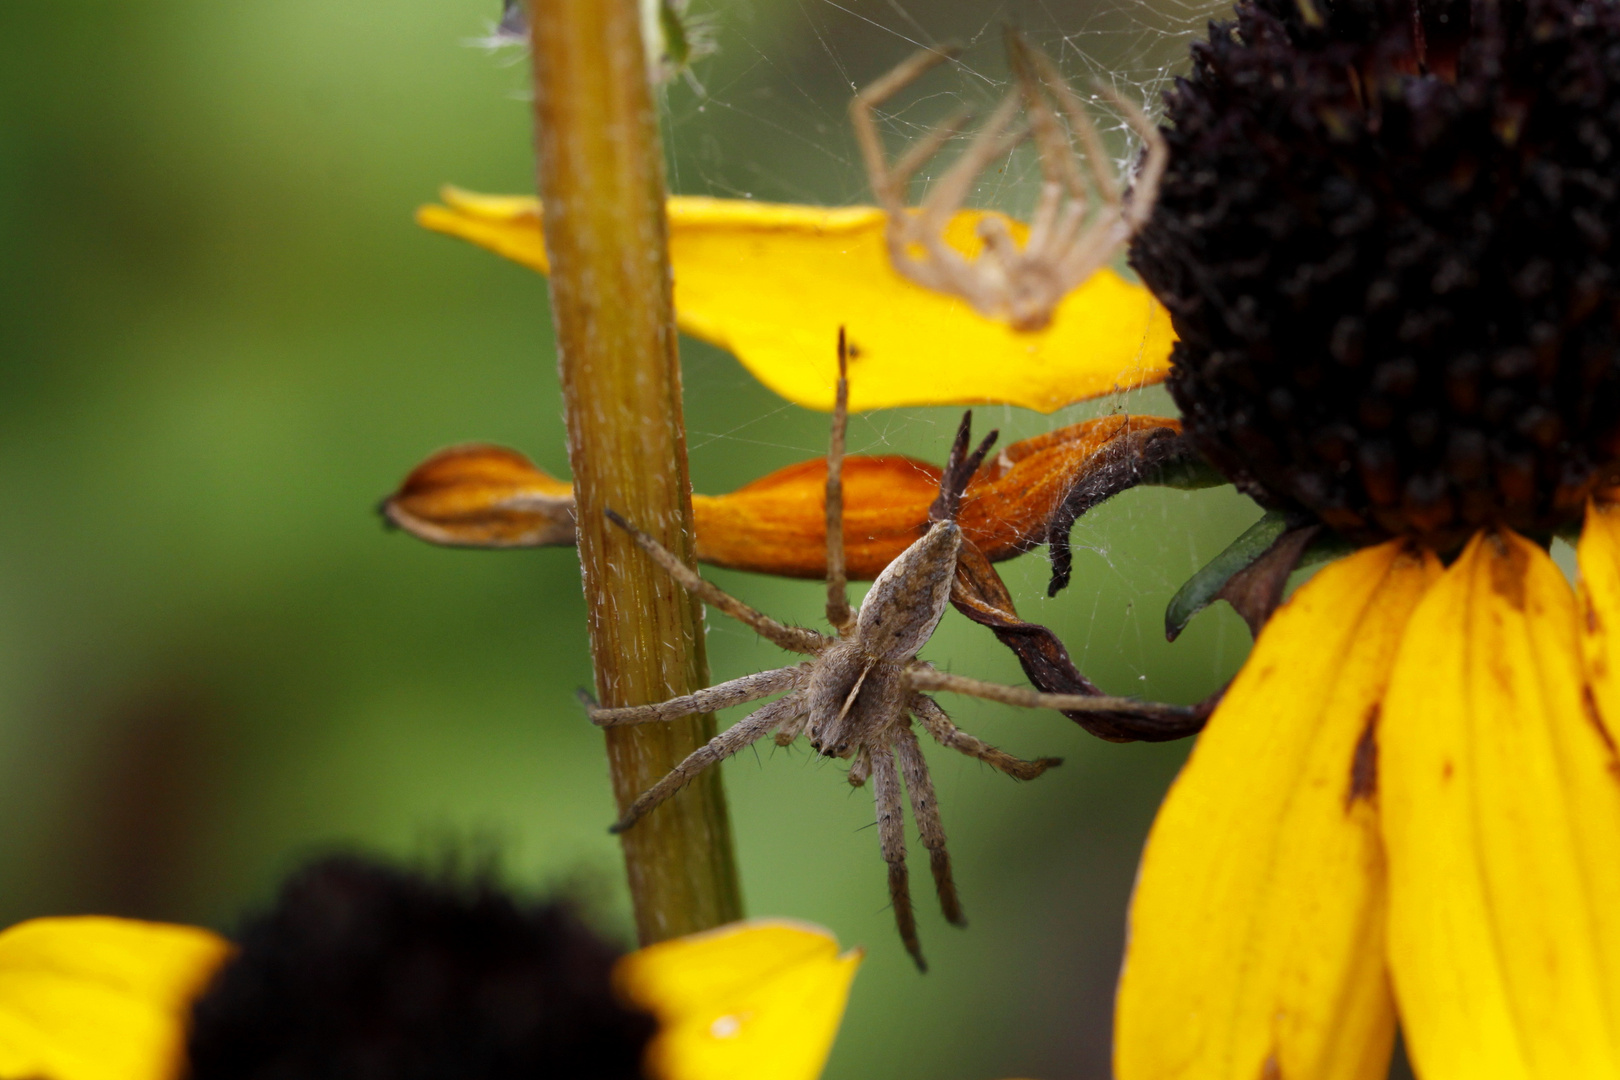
(1084,214)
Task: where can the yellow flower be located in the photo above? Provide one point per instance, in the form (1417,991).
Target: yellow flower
(1388,251)
(751,1001)
(94,998)
(97,998)
(1409,795)
(774,283)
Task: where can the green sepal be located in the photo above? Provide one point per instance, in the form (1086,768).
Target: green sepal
(1187,472)
(1204,587)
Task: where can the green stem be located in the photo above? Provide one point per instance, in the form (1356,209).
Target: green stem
(602,184)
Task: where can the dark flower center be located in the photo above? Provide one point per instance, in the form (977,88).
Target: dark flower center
(365,972)
(1387,239)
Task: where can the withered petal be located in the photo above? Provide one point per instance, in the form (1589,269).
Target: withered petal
(483,496)
(979,593)
(489,496)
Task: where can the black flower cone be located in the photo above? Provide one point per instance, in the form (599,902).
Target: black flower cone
(366,972)
(1388,241)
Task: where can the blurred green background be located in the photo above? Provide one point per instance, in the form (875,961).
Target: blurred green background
(223,340)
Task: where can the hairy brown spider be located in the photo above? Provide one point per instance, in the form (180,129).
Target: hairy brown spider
(857,695)
(1078,226)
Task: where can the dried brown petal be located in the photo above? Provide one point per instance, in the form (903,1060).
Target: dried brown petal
(484,496)
(980,594)
(487,496)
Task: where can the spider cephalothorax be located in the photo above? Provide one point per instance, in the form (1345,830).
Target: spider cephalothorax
(1387,237)
(857,696)
(1082,218)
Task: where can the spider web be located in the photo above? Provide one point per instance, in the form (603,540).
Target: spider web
(766,117)
(784,73)
(768,120)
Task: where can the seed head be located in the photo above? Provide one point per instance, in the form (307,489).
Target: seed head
(1386,238)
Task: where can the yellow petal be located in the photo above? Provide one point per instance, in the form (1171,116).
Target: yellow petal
(773,283)
(751,1001)
(1256,929)
(1501,809)
(1600,611)
(100,999)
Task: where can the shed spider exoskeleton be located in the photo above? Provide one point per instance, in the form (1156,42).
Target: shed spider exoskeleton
(1081,220)
(856,696)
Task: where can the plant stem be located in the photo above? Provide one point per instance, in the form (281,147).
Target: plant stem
(602,185)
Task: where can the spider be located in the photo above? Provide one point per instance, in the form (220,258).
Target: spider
(1077,227)
(856,697)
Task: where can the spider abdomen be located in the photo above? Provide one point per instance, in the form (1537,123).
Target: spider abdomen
(909,598)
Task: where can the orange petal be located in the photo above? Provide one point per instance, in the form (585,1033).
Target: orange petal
(487,496)
(777,524)
(773,284)
(94,998)
(1501,816)
(1256,929)
(483,496)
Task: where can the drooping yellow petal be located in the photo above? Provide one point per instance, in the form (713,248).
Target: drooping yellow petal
(773,283)
(1256,929)
(1599,554)
(752,1001)
(96,998)
(1501,813)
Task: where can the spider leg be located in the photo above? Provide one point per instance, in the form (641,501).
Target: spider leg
(736,692)
(1059,169)
(922,676)
(888,189)
(860,768)
(982,282)
(793,638)
(1043,220)
(892,835)
(717,749)
(839,612)
(1156,156)
(792,728)
(1091,250)
(943,269)
(913,159)
(925,809)
(1084,128)
(948,193)
(1075,242)
(901,233)
(999,242)
(948,735)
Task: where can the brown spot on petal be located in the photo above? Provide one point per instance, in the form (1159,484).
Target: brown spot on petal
(1594,716)
(1364,763)
(1508,570)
